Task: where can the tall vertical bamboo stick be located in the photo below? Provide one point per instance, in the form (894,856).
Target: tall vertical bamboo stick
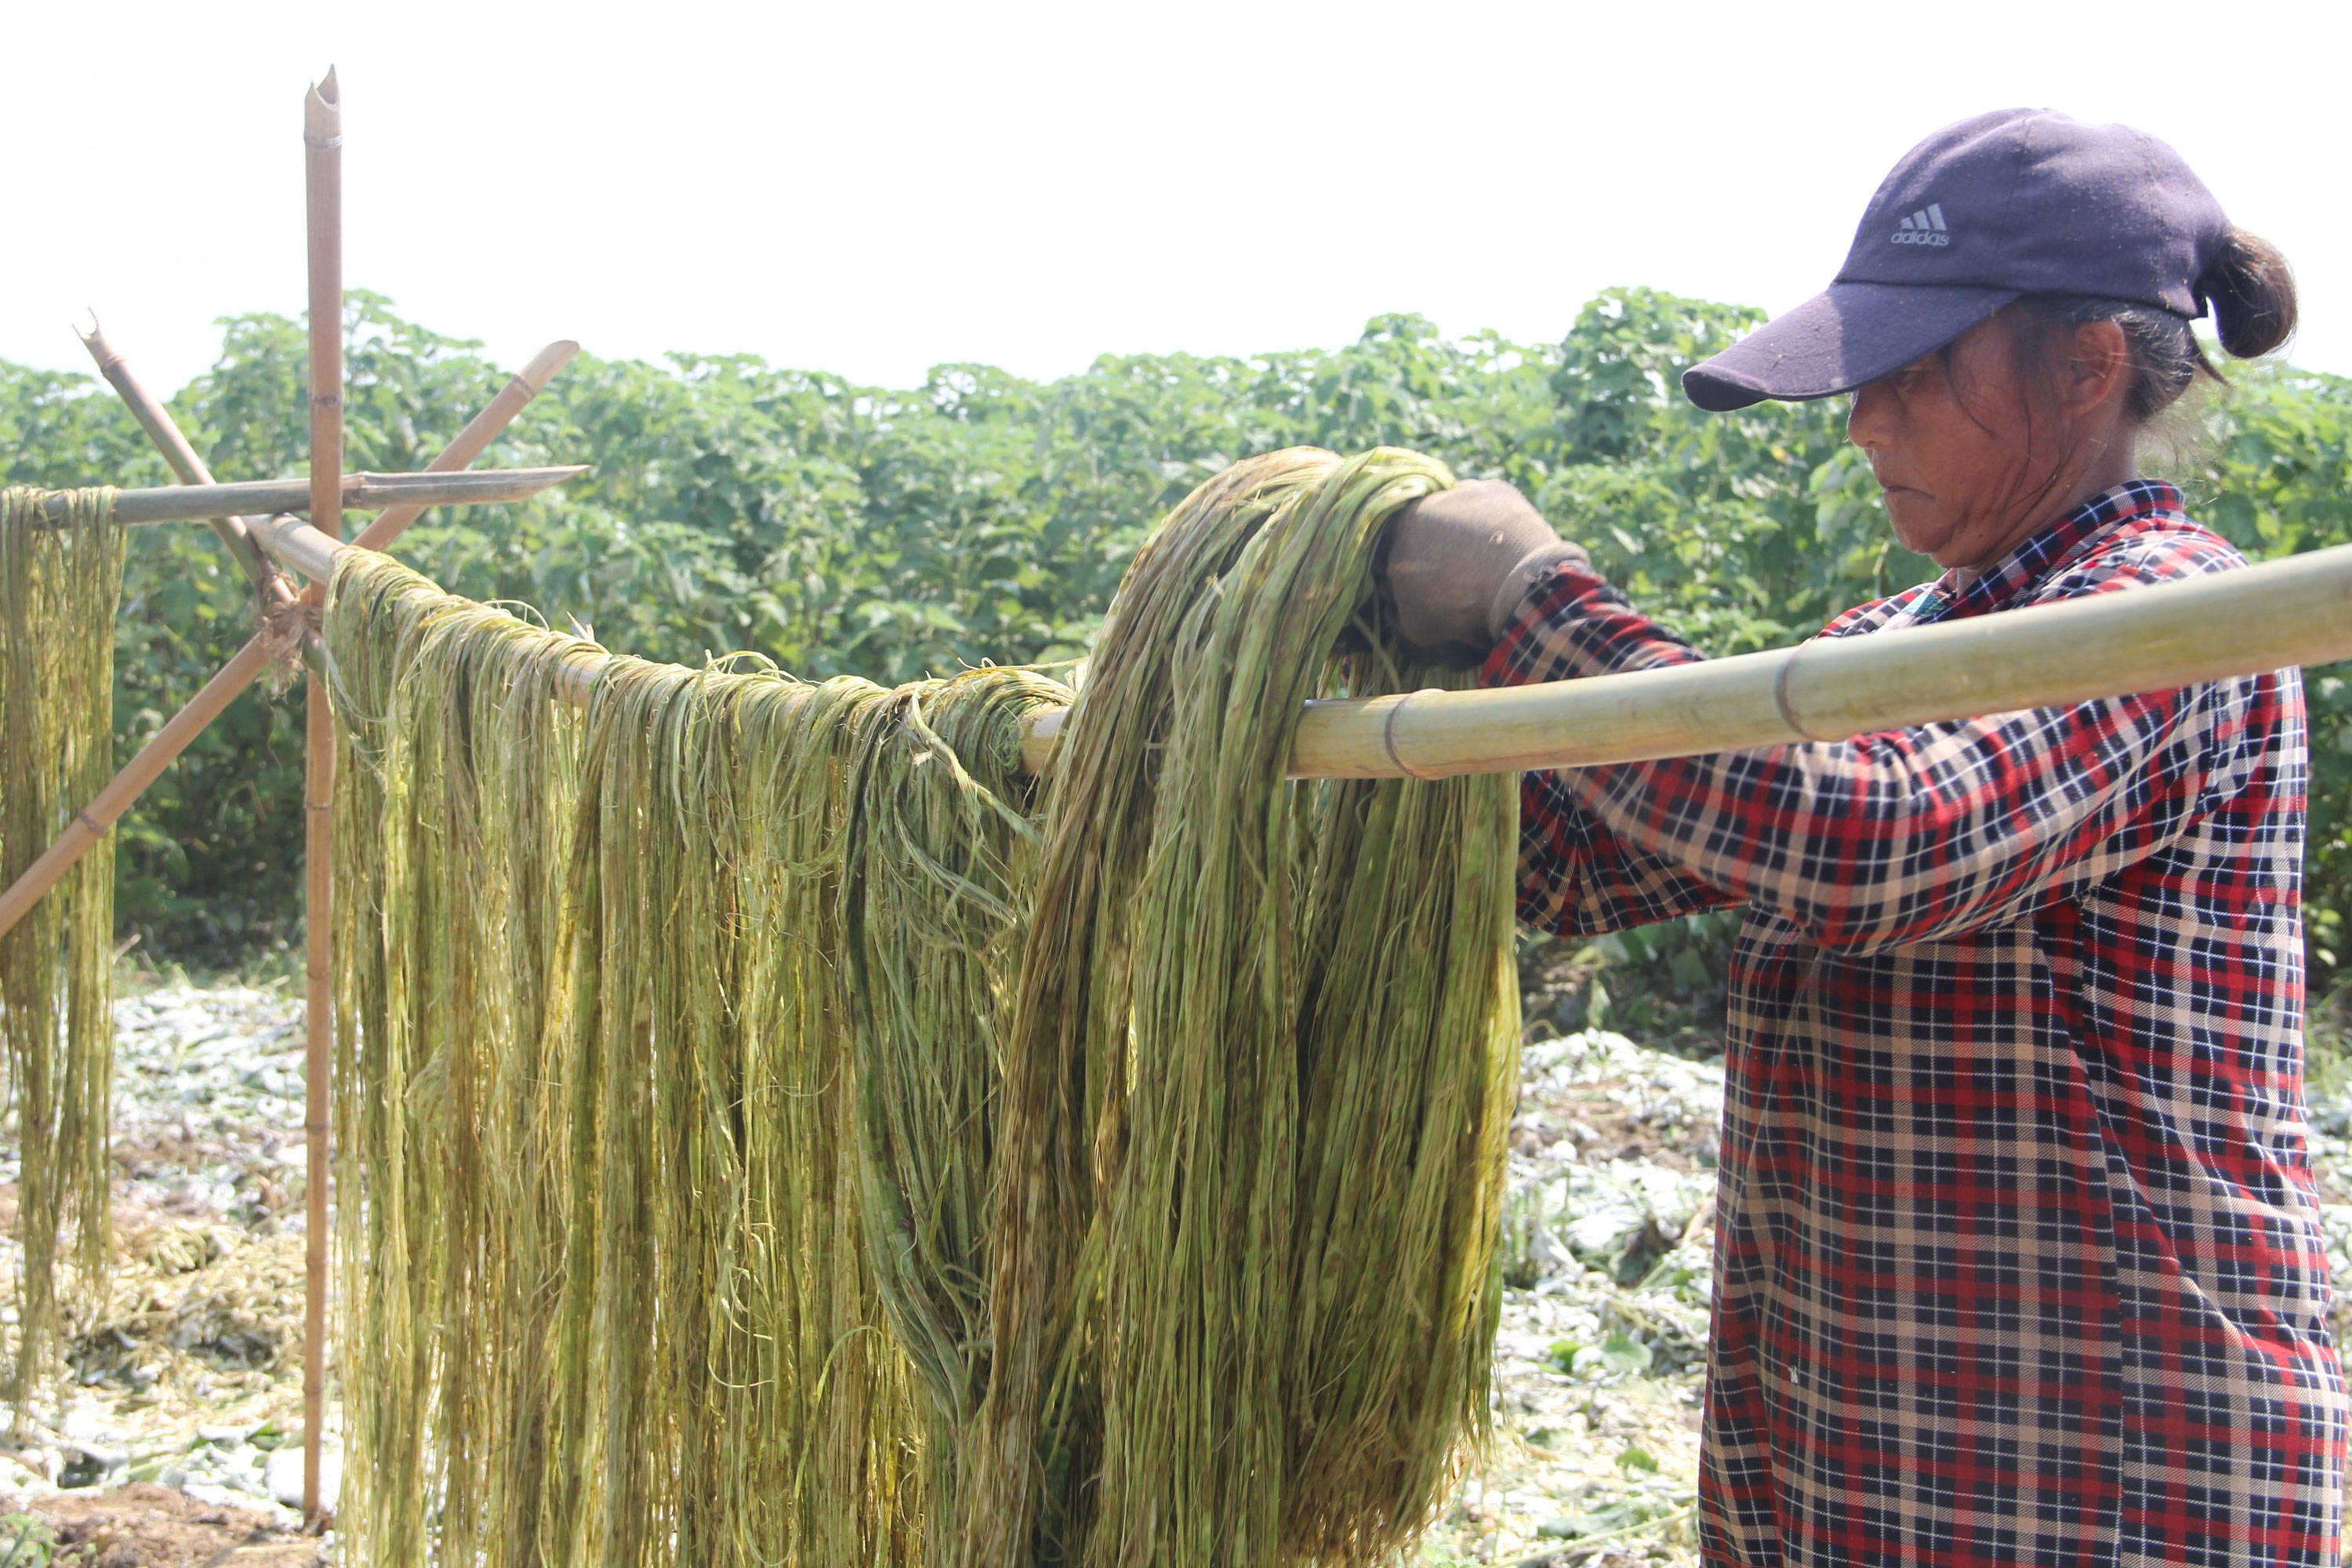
(322,142)
(180,455)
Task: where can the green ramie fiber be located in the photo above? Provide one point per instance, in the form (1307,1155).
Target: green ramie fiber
(59,584)
(934,856)
(771,1129)
(1250,1151)
(608,1294)
(458,784)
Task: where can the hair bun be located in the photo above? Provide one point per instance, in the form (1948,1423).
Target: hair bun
(2251,291)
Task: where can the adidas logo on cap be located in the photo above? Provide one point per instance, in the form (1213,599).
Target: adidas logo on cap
(1925,226)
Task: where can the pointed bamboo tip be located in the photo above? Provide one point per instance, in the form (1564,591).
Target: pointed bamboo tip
(100,349)
(545,364)
(322,109)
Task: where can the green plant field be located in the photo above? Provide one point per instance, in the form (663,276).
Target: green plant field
(838,528)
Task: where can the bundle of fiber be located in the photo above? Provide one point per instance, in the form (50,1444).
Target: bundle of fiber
(610,1177)
(60,582)
(457,782)
(934,857)
(1250,1150)
(724,1284)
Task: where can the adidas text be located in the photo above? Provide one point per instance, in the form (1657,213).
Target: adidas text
(1926,226)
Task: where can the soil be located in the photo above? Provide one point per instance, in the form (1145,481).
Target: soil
(147,1526)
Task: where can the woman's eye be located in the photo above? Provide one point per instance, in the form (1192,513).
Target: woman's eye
(1907,379)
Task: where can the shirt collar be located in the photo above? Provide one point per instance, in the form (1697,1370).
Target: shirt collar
(2044,554)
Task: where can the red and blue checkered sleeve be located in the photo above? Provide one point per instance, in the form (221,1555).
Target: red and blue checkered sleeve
(1577,878)
(1883,840)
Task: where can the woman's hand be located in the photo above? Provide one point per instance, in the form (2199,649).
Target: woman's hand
(1456,565)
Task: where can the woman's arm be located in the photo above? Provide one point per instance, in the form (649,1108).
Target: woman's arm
(1890,838)
(1578,877)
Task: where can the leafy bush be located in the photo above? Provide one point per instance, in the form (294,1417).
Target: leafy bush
(836,528)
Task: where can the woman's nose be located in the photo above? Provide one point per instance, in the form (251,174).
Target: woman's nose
(1870,422)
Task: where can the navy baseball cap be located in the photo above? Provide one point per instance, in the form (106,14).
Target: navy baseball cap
(2020,201)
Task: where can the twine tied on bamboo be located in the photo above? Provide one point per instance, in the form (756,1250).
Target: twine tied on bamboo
(286,629)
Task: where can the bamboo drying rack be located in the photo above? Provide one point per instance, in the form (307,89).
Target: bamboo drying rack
(239,513)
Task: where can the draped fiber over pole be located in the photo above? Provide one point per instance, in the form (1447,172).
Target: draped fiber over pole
(2294,611)
(669,1096)
(631,1232)
(1250,1136)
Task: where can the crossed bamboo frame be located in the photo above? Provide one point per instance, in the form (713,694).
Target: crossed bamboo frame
(241,515)
(2295,611)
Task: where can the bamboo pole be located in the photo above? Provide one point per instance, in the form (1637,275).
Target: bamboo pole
(358,492)
(92,823)
(165,433)
(322,141)
(165,745)
(2294,611)
(300,548)
(474,439)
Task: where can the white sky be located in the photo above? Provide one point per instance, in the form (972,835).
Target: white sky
(874,189)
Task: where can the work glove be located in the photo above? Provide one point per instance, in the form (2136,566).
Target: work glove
(1457,563)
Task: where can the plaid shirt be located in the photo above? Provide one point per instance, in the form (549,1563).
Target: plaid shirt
(2017,1255)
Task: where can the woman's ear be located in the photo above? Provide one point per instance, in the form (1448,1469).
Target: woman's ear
(2098,369)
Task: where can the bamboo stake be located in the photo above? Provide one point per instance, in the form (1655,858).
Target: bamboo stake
(323,141)
(165,433)
(359,492)
(476,437)
(165,745)
(2279,614)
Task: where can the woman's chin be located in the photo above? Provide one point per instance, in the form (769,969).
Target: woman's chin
(1914,523)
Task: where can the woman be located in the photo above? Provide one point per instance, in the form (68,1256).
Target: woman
(2017,1258)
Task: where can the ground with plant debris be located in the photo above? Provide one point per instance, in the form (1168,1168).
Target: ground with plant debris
(174,1439)
(1607,1237)
(174,1444)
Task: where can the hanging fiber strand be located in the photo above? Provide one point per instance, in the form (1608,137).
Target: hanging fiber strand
(609,1296)
(934,859)
(731,1303)
(458,781)
(59,585)
(1250,1150)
